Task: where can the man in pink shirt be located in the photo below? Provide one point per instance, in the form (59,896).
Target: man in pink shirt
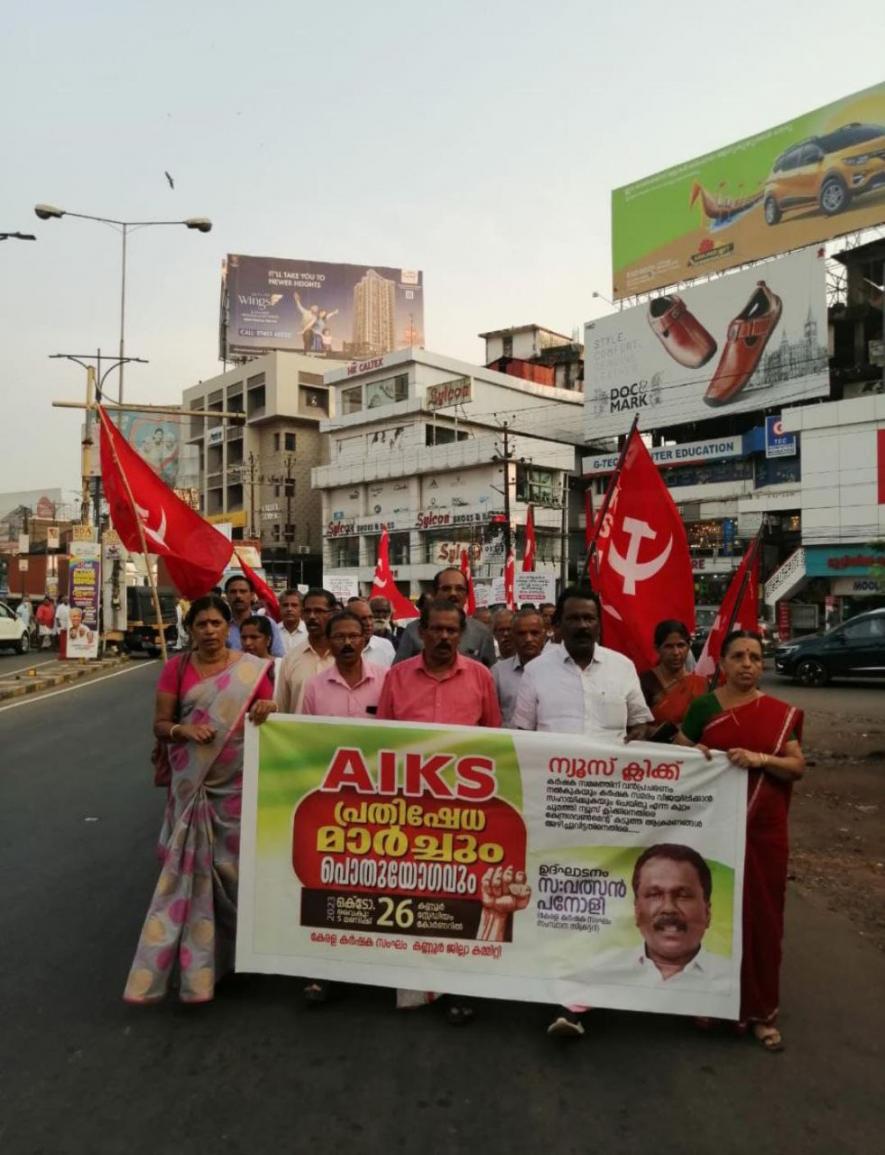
(348,689)
(351,687)
(440,685)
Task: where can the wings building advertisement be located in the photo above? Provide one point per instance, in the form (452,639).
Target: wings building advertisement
(321,309)
(816,177)
(751,340)
(496,863)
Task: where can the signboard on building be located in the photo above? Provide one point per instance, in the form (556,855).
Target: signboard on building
(754,340)
(52,537)
(805,181)
(325,310)
(778,443)
(449,393)
(689,453)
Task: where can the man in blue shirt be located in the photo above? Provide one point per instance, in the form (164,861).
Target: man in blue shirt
(238,591)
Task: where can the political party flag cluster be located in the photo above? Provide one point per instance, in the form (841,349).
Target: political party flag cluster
(151,518)
(639,560)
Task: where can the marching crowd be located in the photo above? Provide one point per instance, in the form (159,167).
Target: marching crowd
(538,668)
(48,623)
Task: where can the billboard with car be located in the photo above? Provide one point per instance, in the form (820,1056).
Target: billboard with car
(754,340)
(321,309)
(813,178)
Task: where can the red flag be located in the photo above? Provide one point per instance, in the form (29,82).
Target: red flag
(528,558)
(510,581)
(260,586)
(739,610)
(383,585)
(470,605)
(195,553)
(641,567)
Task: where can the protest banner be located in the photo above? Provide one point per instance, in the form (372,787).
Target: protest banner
(489,862)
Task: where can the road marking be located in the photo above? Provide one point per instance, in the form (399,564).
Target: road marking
(29,699)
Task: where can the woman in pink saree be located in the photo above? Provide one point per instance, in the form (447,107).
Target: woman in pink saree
(191,920)
(761,736)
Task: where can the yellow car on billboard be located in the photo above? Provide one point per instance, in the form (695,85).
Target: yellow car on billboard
(827,171)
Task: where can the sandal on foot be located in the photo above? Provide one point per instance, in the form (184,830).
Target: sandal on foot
(768,1037)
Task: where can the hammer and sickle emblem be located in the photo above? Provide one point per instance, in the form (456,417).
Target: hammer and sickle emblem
(629,567)
(157,536)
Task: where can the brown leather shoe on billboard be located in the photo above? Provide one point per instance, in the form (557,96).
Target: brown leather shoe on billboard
(748,335)
(680,332)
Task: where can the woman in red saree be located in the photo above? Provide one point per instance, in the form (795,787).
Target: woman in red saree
(761,736)
(191,920)
(668,687)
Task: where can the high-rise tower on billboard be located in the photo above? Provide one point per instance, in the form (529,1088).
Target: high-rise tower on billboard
(374,315)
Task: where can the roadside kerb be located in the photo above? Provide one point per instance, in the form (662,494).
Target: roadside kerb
(22,682)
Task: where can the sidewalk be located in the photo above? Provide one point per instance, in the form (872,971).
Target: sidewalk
(33,678)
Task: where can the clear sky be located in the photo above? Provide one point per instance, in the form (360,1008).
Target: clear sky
(477,140)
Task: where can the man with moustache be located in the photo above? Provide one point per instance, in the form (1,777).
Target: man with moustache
(379,651)
(475,640)
(502,632)
(440,684)
(312,656)
(528,636)
(672,891)
(580,687)
(239,593)
(293,630)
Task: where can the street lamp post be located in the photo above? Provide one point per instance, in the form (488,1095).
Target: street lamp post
(51,212)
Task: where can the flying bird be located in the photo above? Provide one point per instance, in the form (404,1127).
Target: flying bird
(169,178)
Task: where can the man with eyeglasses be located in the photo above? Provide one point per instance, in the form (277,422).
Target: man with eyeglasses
(309,658)
(475,642)
(440,684)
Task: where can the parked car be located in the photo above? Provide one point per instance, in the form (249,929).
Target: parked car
(827,170)
(857,648)
(13,631)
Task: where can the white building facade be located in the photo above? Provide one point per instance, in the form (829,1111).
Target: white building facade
(416,447)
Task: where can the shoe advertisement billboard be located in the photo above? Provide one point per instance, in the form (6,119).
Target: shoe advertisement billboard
(338,311)
(754,340)
(816,177)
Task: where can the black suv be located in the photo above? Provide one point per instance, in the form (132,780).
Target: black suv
(857,648)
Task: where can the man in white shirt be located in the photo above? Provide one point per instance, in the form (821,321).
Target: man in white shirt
(580,687)
(293,629)
(378,651)
(528,633)
(672,893)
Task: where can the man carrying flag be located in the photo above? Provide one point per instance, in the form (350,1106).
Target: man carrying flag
(639,561)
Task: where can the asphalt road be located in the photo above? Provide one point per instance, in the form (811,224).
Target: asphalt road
(256,1073)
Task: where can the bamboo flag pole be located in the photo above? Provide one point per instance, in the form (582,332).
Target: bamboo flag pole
(144,549)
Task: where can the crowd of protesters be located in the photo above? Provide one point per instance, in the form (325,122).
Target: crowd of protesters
(538,668)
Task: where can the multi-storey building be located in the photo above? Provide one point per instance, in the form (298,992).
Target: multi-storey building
(374,315)
(416,446)
(255,476)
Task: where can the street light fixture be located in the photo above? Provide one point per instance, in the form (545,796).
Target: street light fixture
(17,237)
(52,212)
